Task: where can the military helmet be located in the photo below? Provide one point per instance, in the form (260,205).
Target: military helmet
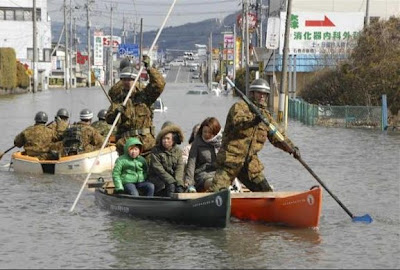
(63,113)
(41,117)
(126,62)
(260,85)
(102,114)
(128,72)
(86,114)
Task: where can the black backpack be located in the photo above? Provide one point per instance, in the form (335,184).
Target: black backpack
(72,141)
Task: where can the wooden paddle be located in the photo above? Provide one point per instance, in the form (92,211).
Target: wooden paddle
(8,150)
(365,218)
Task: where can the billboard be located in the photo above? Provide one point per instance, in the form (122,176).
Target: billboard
(98,49)
(319,32)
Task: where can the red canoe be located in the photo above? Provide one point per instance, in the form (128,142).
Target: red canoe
(294,208)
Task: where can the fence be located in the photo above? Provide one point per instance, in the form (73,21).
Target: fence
(335,116)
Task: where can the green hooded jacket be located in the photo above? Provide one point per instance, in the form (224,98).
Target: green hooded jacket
(128,169)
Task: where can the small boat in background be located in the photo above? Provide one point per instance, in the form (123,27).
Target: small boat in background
(159,106)
(207,210)
(75,164)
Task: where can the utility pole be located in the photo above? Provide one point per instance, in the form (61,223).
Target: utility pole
(283,86)
(246,12)
(367,13)
(35,53)
(110,82)
(71,47)
(89,78)
(66,67)
(260,23)
(123,29)
(210,57)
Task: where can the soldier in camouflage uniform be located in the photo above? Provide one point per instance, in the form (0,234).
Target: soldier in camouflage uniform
(244,136)
(37,139)
(101,125)
(137,116)
(81,137)
(61,122)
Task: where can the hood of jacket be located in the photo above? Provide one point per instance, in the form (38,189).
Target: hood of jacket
(171,128)
(130,142)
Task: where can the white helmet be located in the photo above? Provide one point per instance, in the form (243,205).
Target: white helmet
(86,114)
(260,85)
(128,72)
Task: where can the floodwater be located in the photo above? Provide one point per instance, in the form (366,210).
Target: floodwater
(361,167)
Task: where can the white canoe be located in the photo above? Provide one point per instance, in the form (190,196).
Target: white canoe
(76,164)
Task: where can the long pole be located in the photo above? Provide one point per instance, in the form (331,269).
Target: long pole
(89,79)
(283,86)
(35,53)
(66,68)
(119,114)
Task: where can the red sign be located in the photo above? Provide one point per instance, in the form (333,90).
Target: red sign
(252,17)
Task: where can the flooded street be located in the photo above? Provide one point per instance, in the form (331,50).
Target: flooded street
(361,167)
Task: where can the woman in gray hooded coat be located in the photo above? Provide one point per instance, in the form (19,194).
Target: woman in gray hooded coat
(166,164)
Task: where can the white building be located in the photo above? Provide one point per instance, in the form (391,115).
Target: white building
(377,8)
(16,31)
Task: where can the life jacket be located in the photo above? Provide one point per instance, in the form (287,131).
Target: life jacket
(72,141)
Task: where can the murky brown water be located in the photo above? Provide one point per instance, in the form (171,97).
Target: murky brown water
(361,167)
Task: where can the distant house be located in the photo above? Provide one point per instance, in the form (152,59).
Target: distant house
(16,31)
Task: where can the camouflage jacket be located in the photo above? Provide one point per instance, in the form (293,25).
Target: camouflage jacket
(59,126)
(36,140)
(102,127)
(138,112)
(243,136)
(91,139)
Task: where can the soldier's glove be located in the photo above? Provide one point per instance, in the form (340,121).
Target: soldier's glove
(57,119)
(146,61)
(179,189)
(296,152)
(191,189)
(120,109)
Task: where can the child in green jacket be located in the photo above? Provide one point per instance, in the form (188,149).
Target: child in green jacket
(130,171)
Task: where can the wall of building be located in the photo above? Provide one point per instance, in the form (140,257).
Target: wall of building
(17,33)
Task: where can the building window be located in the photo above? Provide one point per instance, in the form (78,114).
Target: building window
(29,54)
(19,15)
(27,15)
(9,15)
(47,55)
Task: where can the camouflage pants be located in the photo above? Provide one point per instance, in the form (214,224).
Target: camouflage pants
(248,170)
(147,140)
